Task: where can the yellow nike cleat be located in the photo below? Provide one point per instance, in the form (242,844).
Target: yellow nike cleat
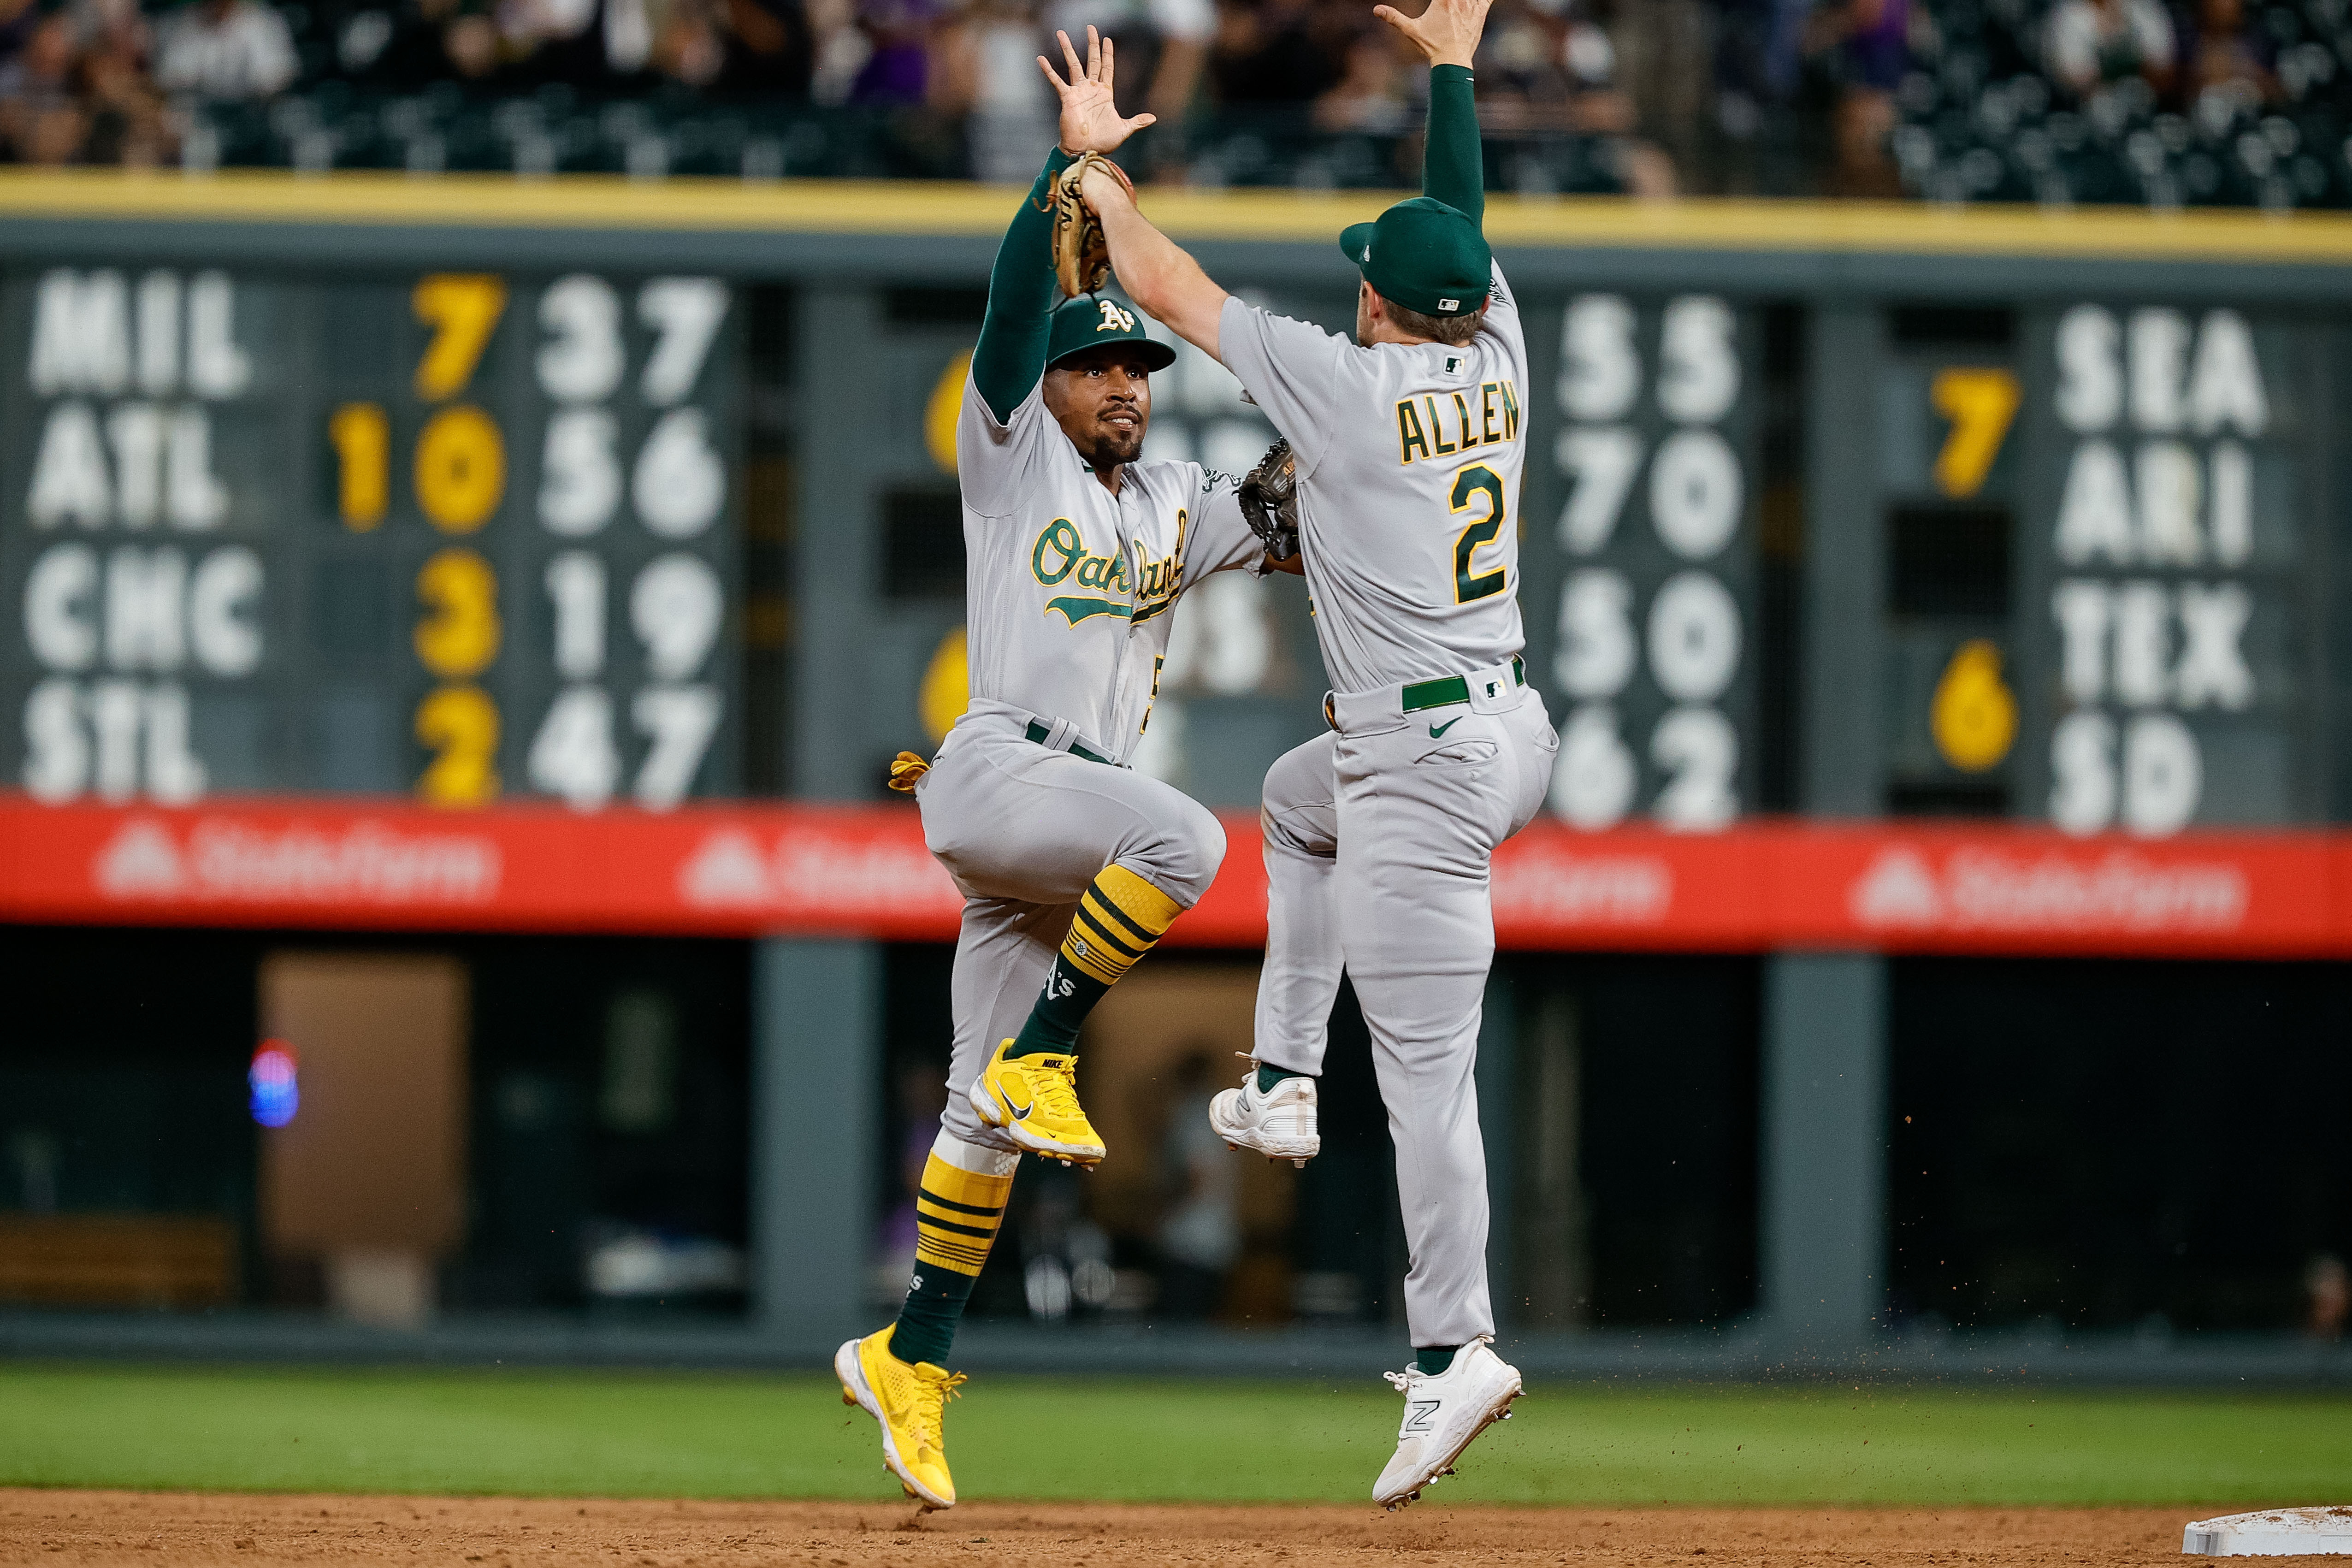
(910,1402)
(1035,1100)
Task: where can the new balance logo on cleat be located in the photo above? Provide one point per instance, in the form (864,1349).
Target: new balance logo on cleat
(1278,1123)
(1442,1415)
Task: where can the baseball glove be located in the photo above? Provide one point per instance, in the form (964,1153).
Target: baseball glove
(1081,254)
(1269,498)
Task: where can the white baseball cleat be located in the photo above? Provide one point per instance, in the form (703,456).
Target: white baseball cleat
(1442,1415)
(1278,1123)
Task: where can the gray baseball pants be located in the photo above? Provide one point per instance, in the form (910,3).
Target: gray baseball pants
(1024,829)
(1379,839)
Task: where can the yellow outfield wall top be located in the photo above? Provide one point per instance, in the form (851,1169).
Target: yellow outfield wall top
(932,208)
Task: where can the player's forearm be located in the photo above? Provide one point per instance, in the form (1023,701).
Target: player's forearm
(1160,276)
(1453,163)
(1020,289)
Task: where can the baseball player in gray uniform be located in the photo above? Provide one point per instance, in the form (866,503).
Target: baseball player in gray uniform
(1409,446)
(1071,865)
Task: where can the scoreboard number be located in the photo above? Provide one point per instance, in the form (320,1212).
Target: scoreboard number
(363,442)
(1981,403)
(459,473)
(1648,601)
(1974,714)
(462,311)
(461,469)
(676,486)
(459,725)
(460,634)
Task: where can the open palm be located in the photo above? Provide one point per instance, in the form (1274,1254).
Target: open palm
(1090,120)
(1446,32)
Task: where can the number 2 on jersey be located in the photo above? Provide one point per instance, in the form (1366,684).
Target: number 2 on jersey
(1469,485)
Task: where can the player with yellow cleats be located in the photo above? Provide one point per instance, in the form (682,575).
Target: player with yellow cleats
(1073,864)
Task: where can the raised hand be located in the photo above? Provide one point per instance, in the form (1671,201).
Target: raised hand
(1090,121)
(1447,33)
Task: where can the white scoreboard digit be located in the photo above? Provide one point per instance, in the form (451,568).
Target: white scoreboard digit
(1653,652)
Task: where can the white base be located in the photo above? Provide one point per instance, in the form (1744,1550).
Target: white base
(2272,1532)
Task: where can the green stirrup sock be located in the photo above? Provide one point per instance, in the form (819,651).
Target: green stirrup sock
(1119,917)
(1432,1360)
(957,1212)
(1052,1023)
(928,1318)
(1267,1076)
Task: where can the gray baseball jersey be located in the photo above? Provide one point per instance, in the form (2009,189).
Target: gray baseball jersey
(1409,464)
(1380,836)
(1069,593)
(1067,588)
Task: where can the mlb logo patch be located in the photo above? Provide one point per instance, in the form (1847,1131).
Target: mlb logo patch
(1449,304)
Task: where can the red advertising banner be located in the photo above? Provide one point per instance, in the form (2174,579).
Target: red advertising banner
(743,870)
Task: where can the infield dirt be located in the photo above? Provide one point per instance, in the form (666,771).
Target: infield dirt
(57,1528)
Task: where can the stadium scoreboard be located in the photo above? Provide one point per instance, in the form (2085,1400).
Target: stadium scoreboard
(462,535)
(2106,535)
(471,536)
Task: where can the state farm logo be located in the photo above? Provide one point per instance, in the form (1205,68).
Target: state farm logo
(1897,890)
(1546,883)
(140,862)
(1991,889)
(728,870)
(838,872)
(226,860)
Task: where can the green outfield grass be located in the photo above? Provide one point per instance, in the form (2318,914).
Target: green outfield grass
(630,1434)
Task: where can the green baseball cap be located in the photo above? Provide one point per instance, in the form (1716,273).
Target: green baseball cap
(1095,319)
(1424,255)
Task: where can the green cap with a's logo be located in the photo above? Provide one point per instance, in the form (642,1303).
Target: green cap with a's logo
(1092,320)
(1424,255)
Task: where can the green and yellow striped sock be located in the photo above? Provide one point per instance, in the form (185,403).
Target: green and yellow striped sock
(1119,918)
(957,1212)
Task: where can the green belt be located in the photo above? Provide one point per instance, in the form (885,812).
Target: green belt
(1040,734)
(1444,693)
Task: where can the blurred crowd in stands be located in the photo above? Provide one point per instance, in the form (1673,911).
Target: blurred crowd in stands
(1939,97)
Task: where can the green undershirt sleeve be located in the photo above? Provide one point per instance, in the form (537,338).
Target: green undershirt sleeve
(1453,163)
(1021,289)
